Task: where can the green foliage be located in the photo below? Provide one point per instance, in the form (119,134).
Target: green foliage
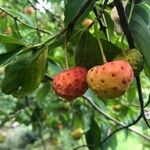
(88,52)
(139,24)
(93,136)
(40,44)
(24,75)
(72,8)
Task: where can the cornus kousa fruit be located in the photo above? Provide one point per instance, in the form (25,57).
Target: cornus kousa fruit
(77,133)
(110,80)
(70,83)
(134,58)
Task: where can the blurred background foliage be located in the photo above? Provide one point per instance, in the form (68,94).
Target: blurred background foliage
(42,120)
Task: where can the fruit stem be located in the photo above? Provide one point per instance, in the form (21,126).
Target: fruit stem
(101,49)
(66,53)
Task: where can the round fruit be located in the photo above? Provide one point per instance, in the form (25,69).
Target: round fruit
(70,83)
(77,133)
(87,22)
(29,10)
(110,80)
(134,58)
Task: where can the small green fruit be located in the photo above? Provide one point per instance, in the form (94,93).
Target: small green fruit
(77,133)
(134,58)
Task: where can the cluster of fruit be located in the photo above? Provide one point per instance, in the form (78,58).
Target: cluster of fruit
(109,80)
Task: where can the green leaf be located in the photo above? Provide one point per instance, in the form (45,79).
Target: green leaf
(9,40)
(93,136)
(24,75)
(88,53)
(4,57)
(12,43)
(43,91)
(140,28)
(111,142)
(131,93)
(73,7)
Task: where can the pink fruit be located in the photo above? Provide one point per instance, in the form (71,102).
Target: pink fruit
(110,80)
(70,83)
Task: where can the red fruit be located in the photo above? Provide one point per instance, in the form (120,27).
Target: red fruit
(110,80)
(70,83)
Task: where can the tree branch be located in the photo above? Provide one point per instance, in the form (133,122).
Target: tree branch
(127,31)
(36,18)
(123,126)
(20,21)
(124,22)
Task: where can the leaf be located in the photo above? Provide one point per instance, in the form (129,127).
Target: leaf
(111,142)
(93,136)
(24,75)
(43,91)
(12,43)
(4,57)
(88,53)
(73,7)
(140,28)
(131,93)
(9,40)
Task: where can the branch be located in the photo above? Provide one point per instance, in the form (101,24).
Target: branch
(141,100)
(79,13)
(17,28)
(123,126)
(36,18)
(124,22)
(20,21)
(127,31)
(119,129)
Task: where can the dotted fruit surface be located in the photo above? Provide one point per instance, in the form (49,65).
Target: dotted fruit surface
(110,80)
(70,83)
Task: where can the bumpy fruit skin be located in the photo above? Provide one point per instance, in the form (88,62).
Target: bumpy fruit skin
(77,133)
(134,58)
(70,83)
(110,80)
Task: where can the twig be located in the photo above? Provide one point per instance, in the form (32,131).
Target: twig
(81,146)
(102,27)
(101,49)
(20,21)
(17,28)
(124,22)
(36,18)
(79,13)
(66,52)
(99,16)
(119,129)
(114,120)
(126,30)
(141,99)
